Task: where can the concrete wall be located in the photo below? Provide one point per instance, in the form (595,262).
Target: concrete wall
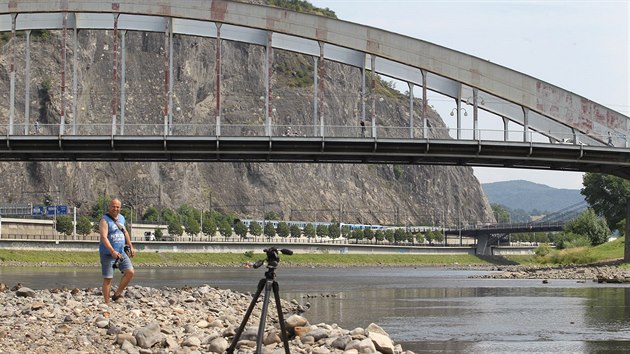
(17,228)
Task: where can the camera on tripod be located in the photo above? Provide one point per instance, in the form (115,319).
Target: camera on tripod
(273,257)
(268,283)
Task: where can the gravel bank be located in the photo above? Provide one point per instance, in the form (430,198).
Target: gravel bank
(600,274)
(167,320)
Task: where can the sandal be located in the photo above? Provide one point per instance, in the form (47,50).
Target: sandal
(116,297)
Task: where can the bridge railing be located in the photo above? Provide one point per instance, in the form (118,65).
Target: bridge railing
(336,131)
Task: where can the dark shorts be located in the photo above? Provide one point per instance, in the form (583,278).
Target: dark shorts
(107,263)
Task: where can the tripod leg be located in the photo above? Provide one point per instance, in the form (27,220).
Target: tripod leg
(240,329)
(263,317)
(283,329)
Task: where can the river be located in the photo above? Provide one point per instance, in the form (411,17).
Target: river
(427,310)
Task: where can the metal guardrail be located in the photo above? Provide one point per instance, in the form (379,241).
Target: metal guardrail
(337,131)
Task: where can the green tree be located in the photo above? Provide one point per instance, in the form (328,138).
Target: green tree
(255,229)
(357,234)
(152,215)
(420,237)
(589,225)
(209,227)
(158,233)
(283,229)
(399,235)
(607,195)
(309,230)
(84,226)
(368,233)
(240,229)
(175,228)
(379,235)
(269,230)
(429,237)
(128,213)
(295,231)
(321,230)
(501,214)
(272,215)
(389,235)
(168,215)
(100,207)
(334,231)
(225,228)
(192,225)
(437,236)
(345,231)
(410,237)
(64,224)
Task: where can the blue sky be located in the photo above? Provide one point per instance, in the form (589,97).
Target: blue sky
(581,46)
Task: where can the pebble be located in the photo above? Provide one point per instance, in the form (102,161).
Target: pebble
(166,320)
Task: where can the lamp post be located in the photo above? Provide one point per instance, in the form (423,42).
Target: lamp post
(130,224)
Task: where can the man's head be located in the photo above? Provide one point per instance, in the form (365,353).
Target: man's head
(114,207)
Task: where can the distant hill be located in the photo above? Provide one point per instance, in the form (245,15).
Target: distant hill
(528,196)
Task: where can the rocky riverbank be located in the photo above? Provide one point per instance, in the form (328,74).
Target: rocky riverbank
(168,320)
(600,274)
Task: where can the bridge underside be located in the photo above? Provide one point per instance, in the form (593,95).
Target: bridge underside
(316,150)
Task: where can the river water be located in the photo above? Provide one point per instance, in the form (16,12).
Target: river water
(427,310)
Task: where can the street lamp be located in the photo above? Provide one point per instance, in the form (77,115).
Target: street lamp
(130,218)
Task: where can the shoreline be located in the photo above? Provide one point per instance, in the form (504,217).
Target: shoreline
(605,272)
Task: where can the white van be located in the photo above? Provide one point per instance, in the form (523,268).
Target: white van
(149,236)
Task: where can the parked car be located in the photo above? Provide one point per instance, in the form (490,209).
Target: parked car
(149,236)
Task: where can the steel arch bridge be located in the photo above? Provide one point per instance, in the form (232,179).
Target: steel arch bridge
(577,134)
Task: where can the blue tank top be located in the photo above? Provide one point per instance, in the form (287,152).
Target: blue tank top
(115,235)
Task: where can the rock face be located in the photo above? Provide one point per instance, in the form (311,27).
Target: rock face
(165,321)
(353,193)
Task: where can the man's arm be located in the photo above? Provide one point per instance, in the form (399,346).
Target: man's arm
(103,230)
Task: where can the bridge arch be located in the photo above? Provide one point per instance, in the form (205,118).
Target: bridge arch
(535,105)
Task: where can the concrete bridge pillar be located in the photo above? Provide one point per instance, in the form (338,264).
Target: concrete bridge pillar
(483,248)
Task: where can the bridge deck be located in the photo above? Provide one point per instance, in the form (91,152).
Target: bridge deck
(318,150)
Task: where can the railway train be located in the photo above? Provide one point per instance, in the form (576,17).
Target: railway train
(302,224)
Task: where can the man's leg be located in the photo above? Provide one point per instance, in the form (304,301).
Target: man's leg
(107,284)
(124,281)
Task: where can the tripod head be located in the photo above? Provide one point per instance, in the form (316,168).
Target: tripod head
(273,258)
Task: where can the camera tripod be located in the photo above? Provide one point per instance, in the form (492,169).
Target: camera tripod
(267,283)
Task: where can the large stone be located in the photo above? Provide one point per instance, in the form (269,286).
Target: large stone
(122,337)
(301,331)
(192,341)
(374,328)
(25,292)
(218,345)
(366,346)
(341,342)
(382,343)
(295,321)
(272,337)
(149,335)
(317,334)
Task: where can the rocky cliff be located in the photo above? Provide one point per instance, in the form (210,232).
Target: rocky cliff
(354,193)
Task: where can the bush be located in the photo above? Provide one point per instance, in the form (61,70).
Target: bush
(580,255)
(64,225)
(543,250)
